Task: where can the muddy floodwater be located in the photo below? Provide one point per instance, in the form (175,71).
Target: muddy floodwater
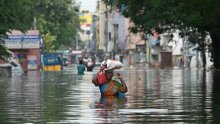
(154,96)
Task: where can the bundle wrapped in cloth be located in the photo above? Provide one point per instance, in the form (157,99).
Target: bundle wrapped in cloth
(112,64)
(109,65)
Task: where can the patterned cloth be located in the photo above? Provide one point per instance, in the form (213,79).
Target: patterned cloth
(112,88)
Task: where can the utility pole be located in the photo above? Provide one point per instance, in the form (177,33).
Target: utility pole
(35,23)
(115,39)
(107,36)
(77,44)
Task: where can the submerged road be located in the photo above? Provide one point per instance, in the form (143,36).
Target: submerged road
(154,96)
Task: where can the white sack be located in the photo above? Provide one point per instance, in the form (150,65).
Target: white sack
(113,64)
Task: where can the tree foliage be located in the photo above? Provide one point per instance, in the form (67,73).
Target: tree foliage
(57,18)
(186,15)
(3,53)
(13,16)
(49,42)
(170,14)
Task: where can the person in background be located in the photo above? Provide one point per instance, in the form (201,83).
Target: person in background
(80,68)
(60,61)
(90,64)
(181,63)
(110,88)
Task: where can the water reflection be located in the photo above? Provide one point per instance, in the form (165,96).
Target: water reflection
(21,99)
(154,96)
(107,109)
(216,98)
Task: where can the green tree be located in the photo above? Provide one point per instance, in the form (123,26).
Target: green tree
(3,52)
(59,19)
(49,42)
(55,19)
(186,15)
(14,14)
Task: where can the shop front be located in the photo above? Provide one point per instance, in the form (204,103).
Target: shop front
(26,48)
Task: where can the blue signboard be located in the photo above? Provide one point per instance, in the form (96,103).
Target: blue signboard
(16,39)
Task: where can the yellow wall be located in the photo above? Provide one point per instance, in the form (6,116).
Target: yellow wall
(87,18)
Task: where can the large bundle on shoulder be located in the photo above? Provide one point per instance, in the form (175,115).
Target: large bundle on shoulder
(109,65)
(112,64)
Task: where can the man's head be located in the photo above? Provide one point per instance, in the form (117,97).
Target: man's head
(80,61)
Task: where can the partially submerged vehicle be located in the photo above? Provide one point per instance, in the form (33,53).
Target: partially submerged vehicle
(52,62)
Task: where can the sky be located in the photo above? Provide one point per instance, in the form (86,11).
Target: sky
(88,5)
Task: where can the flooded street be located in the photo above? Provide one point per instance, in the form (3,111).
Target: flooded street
(154,96)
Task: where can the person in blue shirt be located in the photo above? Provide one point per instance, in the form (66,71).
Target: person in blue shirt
(80,68)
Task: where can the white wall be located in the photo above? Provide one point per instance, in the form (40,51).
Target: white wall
(176,44)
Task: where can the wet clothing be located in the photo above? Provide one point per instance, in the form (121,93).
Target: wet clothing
(90,68)
(114,85)
(81,69)
(90,65)
(110,89)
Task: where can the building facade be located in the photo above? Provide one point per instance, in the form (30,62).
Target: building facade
(26,48)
